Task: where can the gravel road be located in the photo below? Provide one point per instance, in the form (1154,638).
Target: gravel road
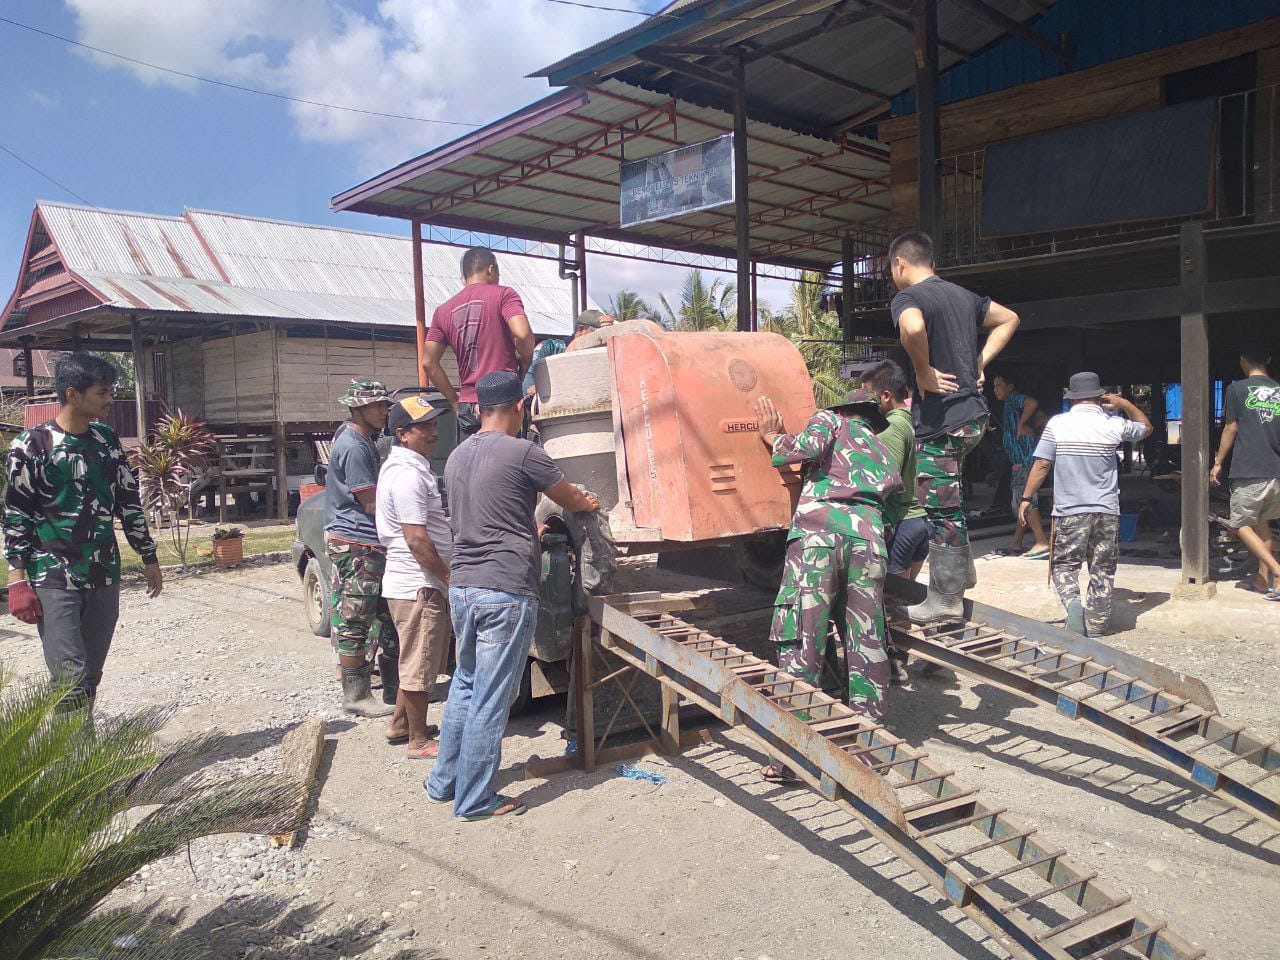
(711,864)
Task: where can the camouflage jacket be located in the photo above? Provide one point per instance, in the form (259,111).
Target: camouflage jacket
(64,492)
(849,475)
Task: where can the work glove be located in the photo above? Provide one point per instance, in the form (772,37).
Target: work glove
(23,602)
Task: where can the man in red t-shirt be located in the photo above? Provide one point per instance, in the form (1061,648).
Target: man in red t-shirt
(486,328)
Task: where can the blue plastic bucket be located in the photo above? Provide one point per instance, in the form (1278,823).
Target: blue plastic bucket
(1128,527)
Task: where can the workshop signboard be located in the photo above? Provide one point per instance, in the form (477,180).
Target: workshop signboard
(683,180)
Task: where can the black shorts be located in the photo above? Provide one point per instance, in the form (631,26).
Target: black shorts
(908,544)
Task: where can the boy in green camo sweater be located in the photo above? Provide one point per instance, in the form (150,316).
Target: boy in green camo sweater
(68,481)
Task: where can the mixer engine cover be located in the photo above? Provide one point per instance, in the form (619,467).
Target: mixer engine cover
(693,467)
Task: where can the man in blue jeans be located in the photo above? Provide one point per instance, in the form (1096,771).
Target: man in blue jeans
(493,480)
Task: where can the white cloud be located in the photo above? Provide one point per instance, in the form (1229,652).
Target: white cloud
(41,99)
(443,59)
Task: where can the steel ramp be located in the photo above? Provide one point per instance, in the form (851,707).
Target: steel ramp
(1004,875)
(1167,716)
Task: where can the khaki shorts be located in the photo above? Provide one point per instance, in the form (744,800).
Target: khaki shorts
(425,633)
(1254,502)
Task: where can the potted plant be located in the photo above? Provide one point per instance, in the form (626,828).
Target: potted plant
(228,546)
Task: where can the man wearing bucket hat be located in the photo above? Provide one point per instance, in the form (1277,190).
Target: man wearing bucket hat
(358,613)
(1081,447)
(836,546)
(415,532)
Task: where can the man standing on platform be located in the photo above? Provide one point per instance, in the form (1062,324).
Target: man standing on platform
(835,549)
(357,558)
(1081,446)
(939,323)
(486,328)
(1252,431)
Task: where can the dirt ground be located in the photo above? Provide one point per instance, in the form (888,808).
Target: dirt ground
(711,864)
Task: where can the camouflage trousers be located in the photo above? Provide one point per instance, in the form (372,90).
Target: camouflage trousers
(359,616)
(939,464)
(830,579)
(1091,538)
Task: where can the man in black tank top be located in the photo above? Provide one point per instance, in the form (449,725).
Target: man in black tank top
(939,324)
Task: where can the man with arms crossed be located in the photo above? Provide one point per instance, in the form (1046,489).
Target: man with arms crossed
(485,326)
(414,530)
(493,481)
(1252,430)
(68,483)
(938,324)
(1081,447)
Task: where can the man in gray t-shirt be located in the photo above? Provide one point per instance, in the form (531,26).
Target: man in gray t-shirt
(1081,447)
(493,480)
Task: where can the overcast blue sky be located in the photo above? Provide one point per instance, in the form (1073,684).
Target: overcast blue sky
(127,137)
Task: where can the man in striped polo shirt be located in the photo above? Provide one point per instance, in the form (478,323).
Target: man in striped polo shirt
(1081,447)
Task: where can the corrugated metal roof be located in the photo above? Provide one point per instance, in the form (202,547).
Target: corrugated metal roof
(222,264)
(509,179)
(868,49)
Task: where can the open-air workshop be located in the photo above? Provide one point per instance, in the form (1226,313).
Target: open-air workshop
(933,615)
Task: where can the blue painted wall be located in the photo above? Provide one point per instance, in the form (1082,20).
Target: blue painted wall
(1102,31)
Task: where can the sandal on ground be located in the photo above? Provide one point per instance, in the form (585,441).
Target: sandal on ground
(504,807)
(429,752)
(778,773)
(1272,595)
(1006,552)
(1036,553)
(396,739)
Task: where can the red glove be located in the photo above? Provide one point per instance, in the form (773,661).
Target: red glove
(23,602)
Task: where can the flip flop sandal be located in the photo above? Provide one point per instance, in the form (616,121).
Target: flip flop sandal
(778,773)
(397,739)
(429,752)
(504,807)
(1272,595)
(1006,552)
(1041,553)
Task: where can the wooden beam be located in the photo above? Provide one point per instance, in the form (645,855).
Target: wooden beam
(300,755)
(928,129)
(1196,421)
(139,379)
(30,371)
(1016,27)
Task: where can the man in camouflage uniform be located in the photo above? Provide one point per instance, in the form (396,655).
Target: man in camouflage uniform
(360,617)
(836,558)
(68,481)
(938,323)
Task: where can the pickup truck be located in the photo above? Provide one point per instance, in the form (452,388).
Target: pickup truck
(547,671)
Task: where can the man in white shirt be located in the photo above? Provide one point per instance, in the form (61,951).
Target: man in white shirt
(1081,446)
(415,532)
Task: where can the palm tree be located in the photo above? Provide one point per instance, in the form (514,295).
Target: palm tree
(816,334)
(71,826)
(703,307)
(629,305)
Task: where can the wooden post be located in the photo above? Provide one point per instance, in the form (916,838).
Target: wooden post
(670,731)
(31,372)
(139,378)
(1195,408)
(584,695)
(928,130)
(419,303)
(741,207)
(282,471)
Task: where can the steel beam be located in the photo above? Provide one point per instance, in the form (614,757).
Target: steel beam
(419,300)
(1016,27)
(741,193)
(928,129)
(1196,420)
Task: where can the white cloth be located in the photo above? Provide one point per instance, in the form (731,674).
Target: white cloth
(408,492)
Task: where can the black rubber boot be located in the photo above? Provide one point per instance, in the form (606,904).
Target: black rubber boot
(948,571)
(356,697)
(389,668)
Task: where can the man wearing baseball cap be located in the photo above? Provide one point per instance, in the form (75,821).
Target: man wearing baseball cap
(413,528)
(494,480)
(836,546)
(1081,448)
(356,556)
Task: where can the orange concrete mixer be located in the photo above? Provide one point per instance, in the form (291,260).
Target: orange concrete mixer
(662,426)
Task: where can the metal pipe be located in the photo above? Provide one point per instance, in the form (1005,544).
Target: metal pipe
(742,209)
(419,301)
